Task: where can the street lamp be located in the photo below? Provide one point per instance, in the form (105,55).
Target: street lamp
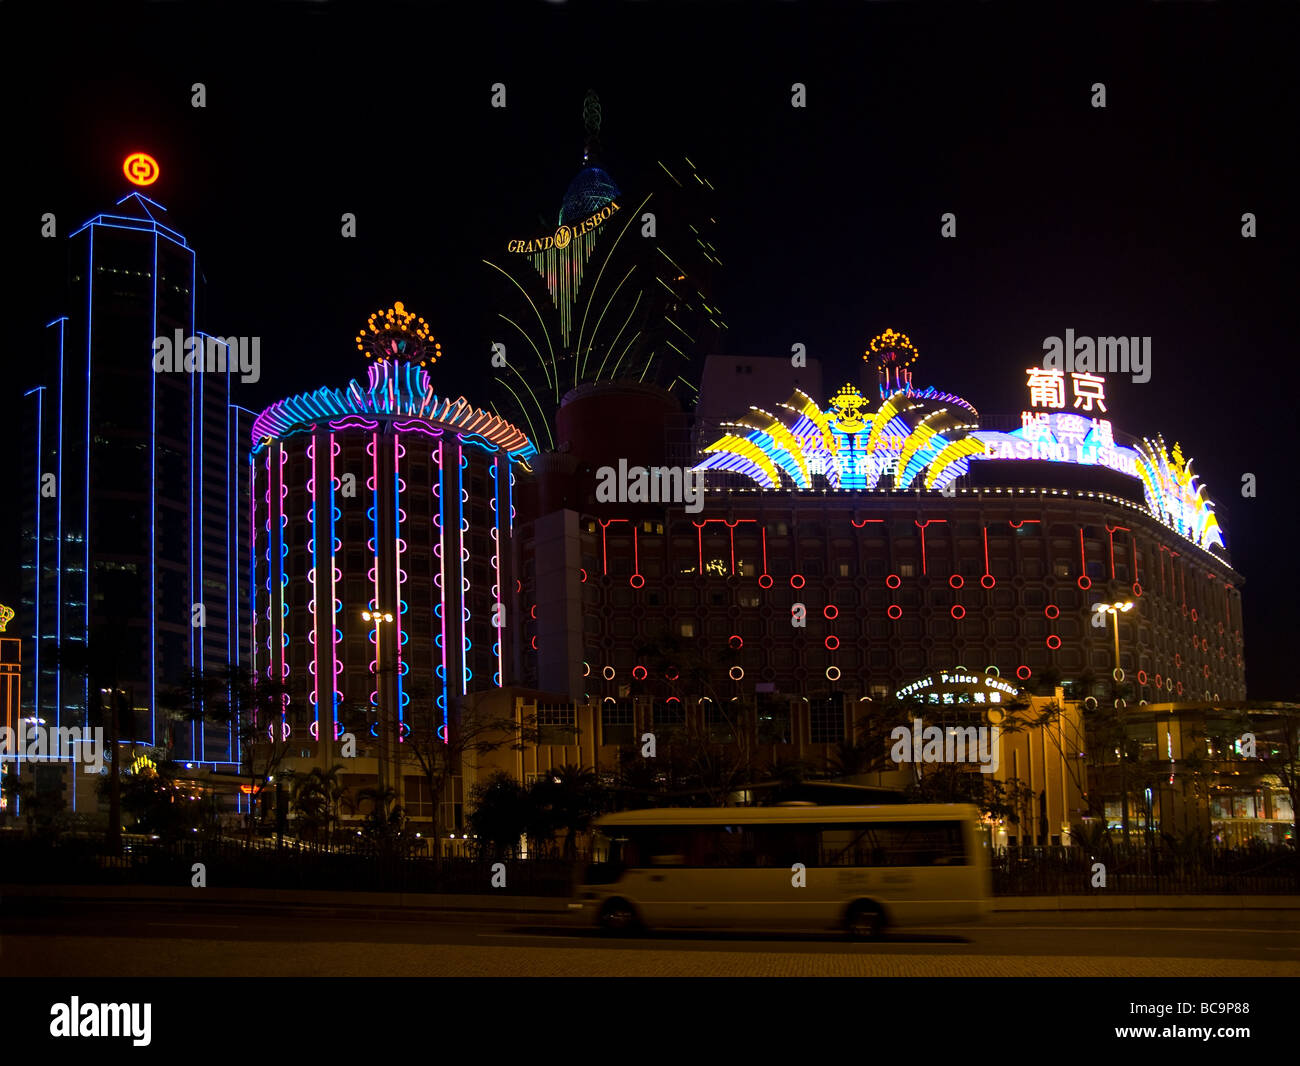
(1115,610)
(379,618)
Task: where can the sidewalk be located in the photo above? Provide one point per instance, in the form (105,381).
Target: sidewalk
(354,904)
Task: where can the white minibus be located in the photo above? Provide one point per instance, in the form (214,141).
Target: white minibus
(857,869)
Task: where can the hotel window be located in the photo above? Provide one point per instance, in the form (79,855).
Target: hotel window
(826,719)
(906,569)
(748,598)
(686,629)
(617,724)
(1061,569)
(417,797)
(843,569)
(555,723)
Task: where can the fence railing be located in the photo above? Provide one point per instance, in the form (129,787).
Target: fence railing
(1120,870)
(366,866)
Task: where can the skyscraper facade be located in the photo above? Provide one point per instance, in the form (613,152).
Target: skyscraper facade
(133,491)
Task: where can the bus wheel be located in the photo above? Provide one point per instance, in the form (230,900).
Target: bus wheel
(617,916)
(865,921)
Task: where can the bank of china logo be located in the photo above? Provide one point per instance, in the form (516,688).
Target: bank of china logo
(140,168)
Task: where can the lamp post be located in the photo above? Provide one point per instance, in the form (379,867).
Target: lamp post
(1115,610)
(379,618)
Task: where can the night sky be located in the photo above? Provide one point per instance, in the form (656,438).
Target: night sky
(1117,221)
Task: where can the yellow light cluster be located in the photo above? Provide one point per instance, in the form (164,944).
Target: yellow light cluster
(892,341)
(384,326)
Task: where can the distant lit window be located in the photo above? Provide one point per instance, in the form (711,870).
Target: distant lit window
(687,629)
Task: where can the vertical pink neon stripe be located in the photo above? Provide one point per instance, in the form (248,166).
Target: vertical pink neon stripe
(501,669)
(334,641)
(279,559)
(397,567)
(442,567)
(374,500)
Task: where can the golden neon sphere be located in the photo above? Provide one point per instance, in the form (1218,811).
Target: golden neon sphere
(397,333)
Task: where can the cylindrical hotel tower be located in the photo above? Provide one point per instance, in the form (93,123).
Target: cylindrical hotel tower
(378,514)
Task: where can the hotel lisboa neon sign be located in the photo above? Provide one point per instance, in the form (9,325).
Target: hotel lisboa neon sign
(1056,432)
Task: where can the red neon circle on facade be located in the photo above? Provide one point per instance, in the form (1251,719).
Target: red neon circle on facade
(636,581)
(1180,688)
(1052,611)
(1205,670)
(534,643)
(584,574)
(640,673)
(956,581)
(988,581)
(832,642)
(958,611)
(1053,642)
(1159,680)
(893,581)
(831,611)
(1023,672)
(1142,677)
(1137,589)
(1084,582)
(1178,660)
(1194,616)
(765,581)
(895,612)
(735,641)
(673,676)
(794,578)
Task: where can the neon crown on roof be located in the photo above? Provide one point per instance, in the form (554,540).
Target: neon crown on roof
(399,345)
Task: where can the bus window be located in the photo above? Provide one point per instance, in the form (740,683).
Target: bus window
(844,845)
(914,844)
(785,845)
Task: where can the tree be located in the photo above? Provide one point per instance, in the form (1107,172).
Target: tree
(94,667)
(569,797)
(1276,728)
(503,814)
(474,729)
(316,798)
